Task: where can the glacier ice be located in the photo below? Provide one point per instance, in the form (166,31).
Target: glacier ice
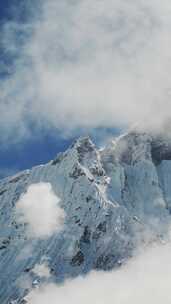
(112,198)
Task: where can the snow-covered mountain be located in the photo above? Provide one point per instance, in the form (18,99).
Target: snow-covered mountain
(114,199)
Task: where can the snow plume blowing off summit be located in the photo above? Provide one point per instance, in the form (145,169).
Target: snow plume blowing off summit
(77,56)
(89,226)
(65,224)
(114,246)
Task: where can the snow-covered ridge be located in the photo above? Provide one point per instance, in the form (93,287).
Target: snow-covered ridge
(113,200)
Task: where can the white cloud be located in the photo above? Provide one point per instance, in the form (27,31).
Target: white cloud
(91,64)
(39,208)
(42,270)
(145,279)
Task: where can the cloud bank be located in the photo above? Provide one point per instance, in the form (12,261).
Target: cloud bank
(145,279)
(88,64)
(39,209)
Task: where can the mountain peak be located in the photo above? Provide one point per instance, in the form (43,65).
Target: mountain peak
(84,143)
(108,197)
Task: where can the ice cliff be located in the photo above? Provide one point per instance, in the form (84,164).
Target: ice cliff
(114,199)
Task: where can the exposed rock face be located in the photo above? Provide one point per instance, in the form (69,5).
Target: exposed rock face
(109,198)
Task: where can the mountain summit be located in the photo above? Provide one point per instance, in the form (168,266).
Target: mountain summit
(114,200)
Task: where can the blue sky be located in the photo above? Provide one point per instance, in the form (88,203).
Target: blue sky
(75,67)
(42,148)
(44,144)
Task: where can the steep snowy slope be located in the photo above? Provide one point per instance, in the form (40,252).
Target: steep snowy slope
(113,199)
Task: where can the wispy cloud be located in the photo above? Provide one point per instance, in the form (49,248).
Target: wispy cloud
(42,270)
(89,64)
